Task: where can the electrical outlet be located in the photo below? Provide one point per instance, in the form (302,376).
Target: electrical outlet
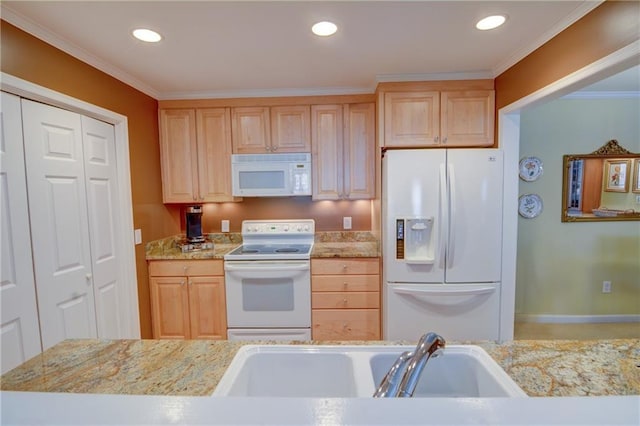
(606,286)
(346,222)
(637,199)
(137,236)
(225,226)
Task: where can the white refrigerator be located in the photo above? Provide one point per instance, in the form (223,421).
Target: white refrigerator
(442,243)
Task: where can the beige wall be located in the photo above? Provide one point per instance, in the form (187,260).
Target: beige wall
(561,266)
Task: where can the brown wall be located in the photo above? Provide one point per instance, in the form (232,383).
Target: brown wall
(609,27)
(28,58)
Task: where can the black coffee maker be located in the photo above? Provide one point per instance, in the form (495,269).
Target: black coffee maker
(194,224)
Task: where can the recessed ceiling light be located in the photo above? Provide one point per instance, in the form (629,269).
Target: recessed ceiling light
(324,28)
(147,35)
(491,22)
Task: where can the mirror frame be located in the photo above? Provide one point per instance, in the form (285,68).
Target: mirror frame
(609,150)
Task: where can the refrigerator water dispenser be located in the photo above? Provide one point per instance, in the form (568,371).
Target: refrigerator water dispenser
(414,240)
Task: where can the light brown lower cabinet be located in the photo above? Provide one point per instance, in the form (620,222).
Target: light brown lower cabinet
(188,299)
(345,299)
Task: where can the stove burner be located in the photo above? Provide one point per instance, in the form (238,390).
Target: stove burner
(287,250)
(244,250)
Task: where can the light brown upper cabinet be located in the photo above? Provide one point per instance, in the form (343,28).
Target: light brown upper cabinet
(195,155)
(439,118)
(343,147)
(260,130)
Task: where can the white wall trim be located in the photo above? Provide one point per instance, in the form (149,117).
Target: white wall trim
(576,319)
(26,89)
(587,95)
(509,141)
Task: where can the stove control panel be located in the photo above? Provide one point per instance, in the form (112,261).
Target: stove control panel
(278,227)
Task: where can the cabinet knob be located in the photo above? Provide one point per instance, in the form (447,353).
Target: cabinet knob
(88,278)
(344,302)
(444,140)
(275,148)
(344,284)
(182,282)
(344,267)
(436,139)
(268,148)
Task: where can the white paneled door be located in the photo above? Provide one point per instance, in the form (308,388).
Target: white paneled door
(19,329)
(102,206)
(73,209)
(59,222)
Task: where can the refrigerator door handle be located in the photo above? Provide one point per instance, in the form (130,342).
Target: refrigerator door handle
(449,291)
(443,213)
(451,246)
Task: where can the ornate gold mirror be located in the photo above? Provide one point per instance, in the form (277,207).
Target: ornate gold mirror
(601,186)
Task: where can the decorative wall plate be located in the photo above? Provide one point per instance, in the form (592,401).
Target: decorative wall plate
(530,168)
(529,205)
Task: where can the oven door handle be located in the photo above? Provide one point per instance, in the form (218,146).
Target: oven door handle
(265,266)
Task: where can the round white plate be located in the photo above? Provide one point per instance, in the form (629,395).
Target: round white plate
(530,168)
(529,205)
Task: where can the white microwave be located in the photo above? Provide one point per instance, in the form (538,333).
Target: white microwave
(271,175)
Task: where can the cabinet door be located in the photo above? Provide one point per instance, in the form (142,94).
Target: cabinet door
(19,329)
(178,156)
(467,118)
(411,119)
(251,130)
(59,222)
(359,151)
(328,178)
(345,324)
(214,154)
(169,307)
(207,308)
(290,129)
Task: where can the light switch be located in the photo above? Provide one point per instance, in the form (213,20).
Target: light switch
(137,236)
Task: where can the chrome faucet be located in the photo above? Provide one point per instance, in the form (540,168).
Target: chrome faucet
(403,376)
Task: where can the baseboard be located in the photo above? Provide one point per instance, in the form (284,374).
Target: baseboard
(576,319)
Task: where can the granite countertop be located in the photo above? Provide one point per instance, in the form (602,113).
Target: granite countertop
(326,245)
(194,367)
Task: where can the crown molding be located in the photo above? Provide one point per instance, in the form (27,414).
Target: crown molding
(477,75)
(66,46)
(580,11)
(265,93)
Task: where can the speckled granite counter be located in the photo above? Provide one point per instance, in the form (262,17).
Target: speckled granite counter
(194,367)
(327,244)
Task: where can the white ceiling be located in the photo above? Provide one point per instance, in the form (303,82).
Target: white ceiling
(265,48)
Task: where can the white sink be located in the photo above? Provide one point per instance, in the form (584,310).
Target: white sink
(355,371)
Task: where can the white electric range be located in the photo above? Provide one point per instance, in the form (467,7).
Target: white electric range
(268,281)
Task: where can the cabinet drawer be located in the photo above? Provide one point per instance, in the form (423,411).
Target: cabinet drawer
(345,266)
(348,324)
(355,300)
(172,268)
(345,283)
